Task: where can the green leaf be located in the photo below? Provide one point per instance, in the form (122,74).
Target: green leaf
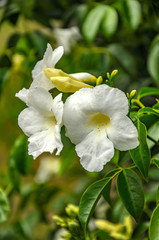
(154,223)
(106,193)
(115,158)
(132,13)
(131,192)
(155,160)
(90,198)
(110,21)
(147,91)
(141,154)
(153,132)
(148,110)
(4,207)
(153,62)
(19,155)
(92,22)
(157,196)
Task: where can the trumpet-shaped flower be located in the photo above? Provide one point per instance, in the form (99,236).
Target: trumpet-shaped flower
(96,121)
(41,121)
(49,60)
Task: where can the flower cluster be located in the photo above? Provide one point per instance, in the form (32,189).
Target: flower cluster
(95,118)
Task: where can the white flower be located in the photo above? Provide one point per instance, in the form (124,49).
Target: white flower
(96,121)
(49,60)
(41,121)
(67,37)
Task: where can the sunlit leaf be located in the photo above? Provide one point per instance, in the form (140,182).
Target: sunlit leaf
(148,110)
(92,22)
(132,13)
(4,207)
(154,223)
(141,154)
(131,192)
(110,21)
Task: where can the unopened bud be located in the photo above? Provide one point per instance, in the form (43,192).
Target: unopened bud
(132,94)
(59,221)
(114,72)
(99,80)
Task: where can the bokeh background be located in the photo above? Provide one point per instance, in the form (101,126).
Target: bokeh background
(98,37)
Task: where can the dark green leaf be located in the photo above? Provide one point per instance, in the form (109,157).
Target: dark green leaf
(157,196)
(115,158)
(147,91)
(110,21)
(4,207)
(131,192)
(154,223)
(141,154)
(19,155)
(90,198)
(106,193)
(92,22)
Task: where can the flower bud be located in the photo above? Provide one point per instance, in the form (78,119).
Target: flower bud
(114,72)
(132,94)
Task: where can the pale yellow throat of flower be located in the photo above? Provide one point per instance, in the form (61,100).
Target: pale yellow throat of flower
(63,81)
(98,120)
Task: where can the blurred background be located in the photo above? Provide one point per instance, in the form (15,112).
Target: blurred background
(98,37)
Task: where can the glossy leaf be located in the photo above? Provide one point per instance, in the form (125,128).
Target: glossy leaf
(131,192)
(92,22)
(141,154)
(153,132)
(132,13)
(90,198)
(154,223)
(155,160)
(4,207)
(147,91)
(106,193)
(110,21)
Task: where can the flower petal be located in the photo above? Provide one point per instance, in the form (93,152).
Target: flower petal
(123,133)
(40,99)
(95,151)
(45,141)
(31,121)
(49,60)
(58,108)
(23,95)
(81,75)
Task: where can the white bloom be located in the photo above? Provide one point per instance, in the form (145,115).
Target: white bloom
(96,121)
(49,60)
(41,121)
(49,166)
(67,37)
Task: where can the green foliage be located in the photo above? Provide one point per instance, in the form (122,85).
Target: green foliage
(131,192)
(154,222)
(4,207)
(141,154)
(90,198)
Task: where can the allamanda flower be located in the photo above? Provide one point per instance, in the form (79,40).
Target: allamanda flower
(41,121)
(96,121)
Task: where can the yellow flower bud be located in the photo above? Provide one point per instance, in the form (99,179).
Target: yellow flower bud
(114,72)
(99,80)
(63,81)
(132,94)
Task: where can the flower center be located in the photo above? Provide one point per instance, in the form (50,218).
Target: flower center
(98,120)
